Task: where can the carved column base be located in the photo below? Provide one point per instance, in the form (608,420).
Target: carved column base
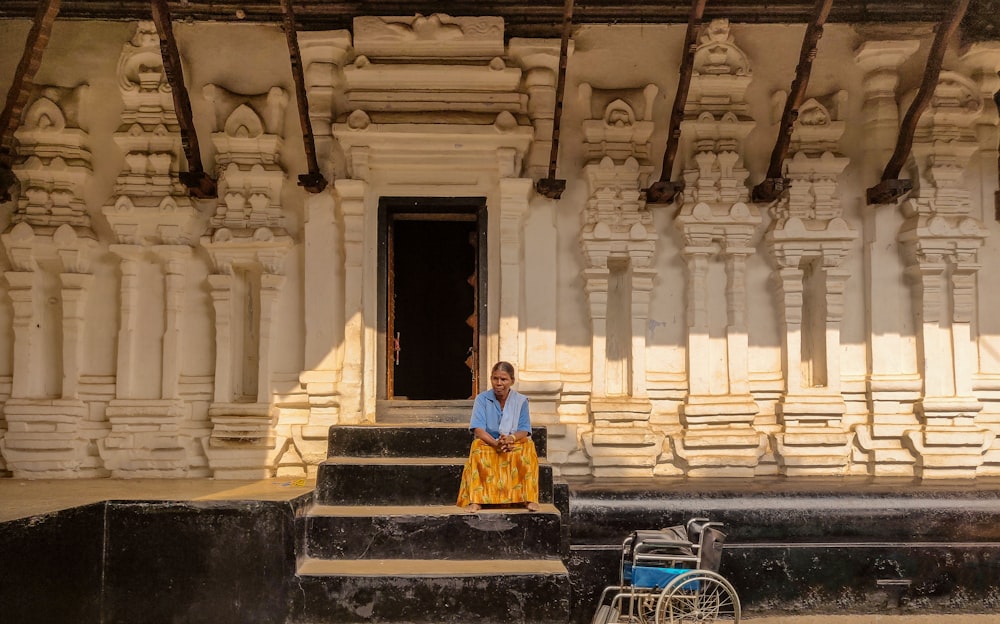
(950,452)
(708,409)
(324,411)
(623,451)
(813,409)
(622,444)
(723,451)
(145,439)
(814,450)
(244,443)
(564,451)
(883,451)
(43,440)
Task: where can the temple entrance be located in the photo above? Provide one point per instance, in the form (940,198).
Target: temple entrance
(433,256)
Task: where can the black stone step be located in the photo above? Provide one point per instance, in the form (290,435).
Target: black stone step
(431,591)
(400,481)
(430,532)
(417,440)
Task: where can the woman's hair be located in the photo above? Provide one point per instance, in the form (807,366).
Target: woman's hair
(506,367)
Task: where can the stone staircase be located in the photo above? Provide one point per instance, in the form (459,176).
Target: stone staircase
(383,540)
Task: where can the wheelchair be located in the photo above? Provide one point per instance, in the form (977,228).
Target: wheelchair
(670,576)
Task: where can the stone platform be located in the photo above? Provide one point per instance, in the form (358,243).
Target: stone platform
(281,551)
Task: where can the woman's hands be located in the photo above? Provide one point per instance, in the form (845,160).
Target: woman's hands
(505,443)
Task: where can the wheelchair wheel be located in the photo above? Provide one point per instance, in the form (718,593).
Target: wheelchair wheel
(698,597)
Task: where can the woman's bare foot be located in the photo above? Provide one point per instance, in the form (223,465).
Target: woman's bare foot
(530,506)
(473,507)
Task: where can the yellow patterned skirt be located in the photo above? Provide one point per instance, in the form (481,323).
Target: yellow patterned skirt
(494,478)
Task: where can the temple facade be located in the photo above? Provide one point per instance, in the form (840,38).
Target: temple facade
(146,333)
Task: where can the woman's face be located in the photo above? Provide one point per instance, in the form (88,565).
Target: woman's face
(502,382)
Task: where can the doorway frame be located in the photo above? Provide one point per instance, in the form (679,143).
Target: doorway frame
(389,206)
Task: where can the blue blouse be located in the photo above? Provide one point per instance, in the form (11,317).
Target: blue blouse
(486,412)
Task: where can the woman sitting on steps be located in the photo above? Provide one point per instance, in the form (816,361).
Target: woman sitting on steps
(503,466)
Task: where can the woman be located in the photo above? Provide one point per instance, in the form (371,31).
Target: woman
(502,467)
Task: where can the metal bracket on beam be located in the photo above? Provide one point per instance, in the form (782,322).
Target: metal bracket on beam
(7,182)
(888,191)
(663,191)
(312,182)
(550,187)
(891,188)
(199,184)
(769,190)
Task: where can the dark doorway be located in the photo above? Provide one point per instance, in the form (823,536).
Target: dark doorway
(432,284)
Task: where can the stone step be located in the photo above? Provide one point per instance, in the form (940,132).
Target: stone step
(403,411)
(400,481)
(440,531)
(417,439)
(493,591)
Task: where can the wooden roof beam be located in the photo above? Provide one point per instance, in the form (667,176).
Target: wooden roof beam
(20,90)
(774,184)
(550,186)
(199,184)
(891,187)
(664,190)
(314,182)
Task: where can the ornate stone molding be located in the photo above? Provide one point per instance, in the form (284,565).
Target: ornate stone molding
(248,243)
(940,240)
(618,242)
(808,239)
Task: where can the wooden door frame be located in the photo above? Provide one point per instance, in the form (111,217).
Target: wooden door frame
(389,206)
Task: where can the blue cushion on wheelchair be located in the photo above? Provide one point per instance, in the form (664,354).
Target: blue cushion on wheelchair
(658,578)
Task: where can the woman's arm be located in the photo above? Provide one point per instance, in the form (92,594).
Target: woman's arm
(485,436)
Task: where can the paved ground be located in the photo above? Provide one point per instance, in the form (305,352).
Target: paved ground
(20,498)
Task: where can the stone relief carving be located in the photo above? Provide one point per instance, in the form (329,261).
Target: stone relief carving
(248,243)
(717,225)
(156,227)
(941,240)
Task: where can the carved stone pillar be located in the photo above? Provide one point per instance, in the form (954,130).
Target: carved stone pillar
(514,196)
(248,243)
(983,59)
(941,240)
(154,223)
(809,240)
(893,382)
(618,242)
(325,310)
(717,226)
(358,350)
(50,244)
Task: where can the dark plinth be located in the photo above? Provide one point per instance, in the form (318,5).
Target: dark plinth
(807,546)
(51,567)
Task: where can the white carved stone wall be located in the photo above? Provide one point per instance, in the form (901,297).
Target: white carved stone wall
(146,334)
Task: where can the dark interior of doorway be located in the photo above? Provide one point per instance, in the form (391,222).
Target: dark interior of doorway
(434,261)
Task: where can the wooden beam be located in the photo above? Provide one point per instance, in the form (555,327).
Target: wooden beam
(551,187)
(20,89)
(774,183)
(664,191)
(314,182)
(891,187)
(199,184)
